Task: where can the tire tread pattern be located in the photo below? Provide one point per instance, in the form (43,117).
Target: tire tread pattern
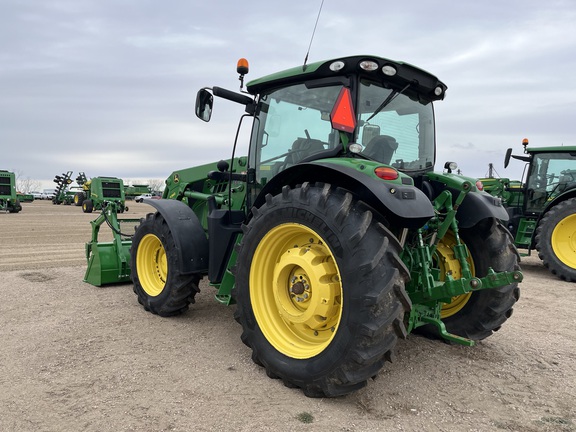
(180,289)
(544,244)
(373,285)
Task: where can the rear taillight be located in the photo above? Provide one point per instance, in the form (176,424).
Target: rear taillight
(386,173)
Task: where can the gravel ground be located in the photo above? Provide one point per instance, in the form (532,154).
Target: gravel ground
(75,357)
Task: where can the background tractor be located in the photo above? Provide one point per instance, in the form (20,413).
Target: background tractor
(99,190)
(8,198)
(542,207)
(334,237)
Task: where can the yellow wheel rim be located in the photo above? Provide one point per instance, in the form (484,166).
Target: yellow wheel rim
(296,290)
(152,265)
(449,264)
(564,241)
(76,199)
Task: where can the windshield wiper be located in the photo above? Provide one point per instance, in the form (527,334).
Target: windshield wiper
(389,99)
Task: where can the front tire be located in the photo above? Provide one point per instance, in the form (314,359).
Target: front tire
(479,314)
(16,208)
(87,206)
(154,261)
(556,240)
(320,290)
(78,199)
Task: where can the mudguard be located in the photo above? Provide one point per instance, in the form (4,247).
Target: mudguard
(477,206)
(404,205)
(189,236)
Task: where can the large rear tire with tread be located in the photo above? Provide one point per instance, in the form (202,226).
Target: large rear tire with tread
(479,314)
(320,290)
(154,261)
(556,240)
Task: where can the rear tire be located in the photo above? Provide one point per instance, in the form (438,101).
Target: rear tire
(556,240)
(154,262)
(320,290)
(479,314)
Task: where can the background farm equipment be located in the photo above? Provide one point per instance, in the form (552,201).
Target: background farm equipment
(136,190)
(62,195)
(98,190)
(8,197)
(24,197)
(542,206)
(334,237)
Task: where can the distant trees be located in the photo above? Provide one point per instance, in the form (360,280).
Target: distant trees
(156,185)
(26,184)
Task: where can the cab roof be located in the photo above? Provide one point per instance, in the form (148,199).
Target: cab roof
(425,86)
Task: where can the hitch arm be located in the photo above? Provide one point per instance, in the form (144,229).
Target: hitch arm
(454,287)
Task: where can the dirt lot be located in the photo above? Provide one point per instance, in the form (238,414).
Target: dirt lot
(74,357)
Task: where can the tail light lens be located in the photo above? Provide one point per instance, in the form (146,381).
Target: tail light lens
(386,173)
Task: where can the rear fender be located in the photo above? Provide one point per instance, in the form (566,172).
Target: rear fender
(189,236)
(477,206)
(404,206)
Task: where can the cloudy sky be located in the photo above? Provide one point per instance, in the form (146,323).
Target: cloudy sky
(108,87)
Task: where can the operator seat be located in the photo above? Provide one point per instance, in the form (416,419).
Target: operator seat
(381,148)
(566,182)
(304,147)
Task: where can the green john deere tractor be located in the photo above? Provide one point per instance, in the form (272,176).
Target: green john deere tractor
(334,237)
(8,197)
(542,207)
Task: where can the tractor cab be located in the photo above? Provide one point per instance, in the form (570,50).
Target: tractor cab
(305,122)
(373,115)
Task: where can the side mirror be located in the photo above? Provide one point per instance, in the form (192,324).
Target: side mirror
(507,157)
(204,103)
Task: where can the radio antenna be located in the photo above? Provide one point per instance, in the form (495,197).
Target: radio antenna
(312,38)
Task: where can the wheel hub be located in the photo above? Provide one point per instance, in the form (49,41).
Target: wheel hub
(308,303)
(298,290)
(152,265)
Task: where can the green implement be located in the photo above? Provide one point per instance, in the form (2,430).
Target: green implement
(109,262)
(9,201)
